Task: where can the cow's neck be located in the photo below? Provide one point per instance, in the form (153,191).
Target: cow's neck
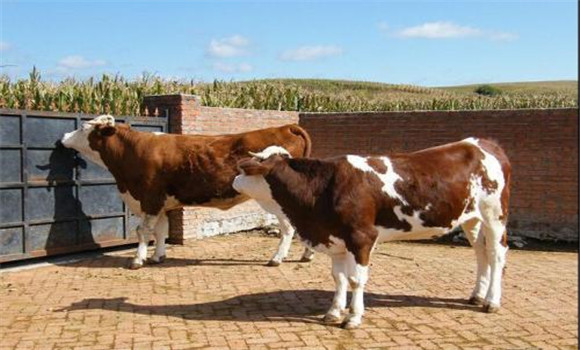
(300,182)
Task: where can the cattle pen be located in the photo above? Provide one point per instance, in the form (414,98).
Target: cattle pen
(213,291)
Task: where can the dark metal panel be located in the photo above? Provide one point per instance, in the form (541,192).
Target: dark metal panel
(46,132)
(107,229)
(147,128)
(52,165)
(9,130)
(52,236)
(51,203)
(100,200)
(11,241)
(10,165)
(11,208)
(91,171)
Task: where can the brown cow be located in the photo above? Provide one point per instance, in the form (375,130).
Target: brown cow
(157,172)
(344,206)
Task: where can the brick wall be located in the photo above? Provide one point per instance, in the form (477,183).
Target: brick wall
(542,146)
(187,116)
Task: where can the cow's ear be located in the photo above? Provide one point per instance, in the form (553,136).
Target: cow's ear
(250,166)
(106,130)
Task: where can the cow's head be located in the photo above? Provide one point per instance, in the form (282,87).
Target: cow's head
(252,170)
(87,139)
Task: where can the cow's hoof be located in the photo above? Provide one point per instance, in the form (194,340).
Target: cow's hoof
(159,260)
(476,301)
(135,265)
(330,318)
(306,258)
(349,324)
(491,308)
(273,263)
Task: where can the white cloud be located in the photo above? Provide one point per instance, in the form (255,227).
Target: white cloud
(438,30)
(309,53)
(446,30)
(78,62)
(4,46)
(232,68)
(233,46)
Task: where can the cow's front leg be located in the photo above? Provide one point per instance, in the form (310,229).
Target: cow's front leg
(358,276)
(161,231)
(287,232)
(145,228)
(339,273)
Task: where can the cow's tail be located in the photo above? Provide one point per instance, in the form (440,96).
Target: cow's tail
(298,131)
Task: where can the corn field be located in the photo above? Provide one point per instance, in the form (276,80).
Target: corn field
(120,96)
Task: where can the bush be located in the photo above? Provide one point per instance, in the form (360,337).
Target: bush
(488,90)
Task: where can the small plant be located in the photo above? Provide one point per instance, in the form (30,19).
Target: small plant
(488,90)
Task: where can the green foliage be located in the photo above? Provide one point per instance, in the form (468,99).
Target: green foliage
(488,90)
(120,96)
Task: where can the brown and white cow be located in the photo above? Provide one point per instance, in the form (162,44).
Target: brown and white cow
(344,206)
(157,172)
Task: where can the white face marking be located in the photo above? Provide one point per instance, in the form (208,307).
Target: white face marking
(79,139)
(270,150)
(388,179)
(254,186)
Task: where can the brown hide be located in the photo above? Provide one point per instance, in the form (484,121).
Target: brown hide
(193,169)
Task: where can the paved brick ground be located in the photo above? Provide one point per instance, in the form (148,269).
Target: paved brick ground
(216,294)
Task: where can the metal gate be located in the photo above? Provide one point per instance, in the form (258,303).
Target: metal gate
(51,200)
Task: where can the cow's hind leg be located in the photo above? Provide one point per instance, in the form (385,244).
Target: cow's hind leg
(472,230)
(494,231)
(161,230)
(145,228)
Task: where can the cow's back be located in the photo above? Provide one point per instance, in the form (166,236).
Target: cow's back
(200,169)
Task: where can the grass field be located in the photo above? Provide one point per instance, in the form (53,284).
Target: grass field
(121,96)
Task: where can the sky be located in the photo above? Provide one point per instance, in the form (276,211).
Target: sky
(425,43)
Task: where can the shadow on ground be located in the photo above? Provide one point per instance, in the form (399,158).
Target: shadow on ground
(304,305)
(113,261)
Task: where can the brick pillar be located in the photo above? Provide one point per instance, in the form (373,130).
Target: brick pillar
(177,107)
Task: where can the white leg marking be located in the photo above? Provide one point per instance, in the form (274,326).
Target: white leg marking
(339,273)
(287,232)
(358,276)
(496,255)
(473,232)
(145,228)
(161,231)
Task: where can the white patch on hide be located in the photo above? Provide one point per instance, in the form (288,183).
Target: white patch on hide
(388,179)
